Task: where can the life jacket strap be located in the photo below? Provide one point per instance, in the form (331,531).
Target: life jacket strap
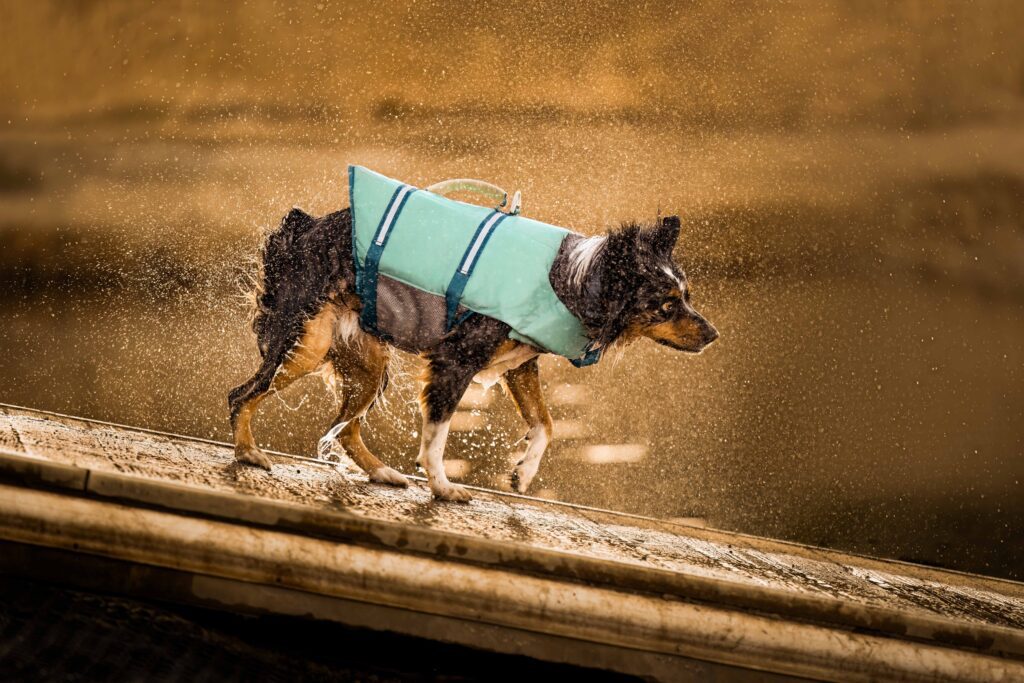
(591,356)
(457,285)
(367,280)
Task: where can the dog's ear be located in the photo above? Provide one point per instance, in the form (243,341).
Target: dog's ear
(663,236)
(621,250)
(618,280)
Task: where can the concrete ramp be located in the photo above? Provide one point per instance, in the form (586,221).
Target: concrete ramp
(112,508)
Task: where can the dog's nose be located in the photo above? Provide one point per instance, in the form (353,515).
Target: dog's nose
(710,335)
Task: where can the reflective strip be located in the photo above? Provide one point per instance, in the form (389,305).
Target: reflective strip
(389,218)
(478,243)
(461,276)
(367,282)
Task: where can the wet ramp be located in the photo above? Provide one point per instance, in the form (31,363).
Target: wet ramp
(176,518)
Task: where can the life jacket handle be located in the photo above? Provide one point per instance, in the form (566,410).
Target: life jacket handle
(482,188)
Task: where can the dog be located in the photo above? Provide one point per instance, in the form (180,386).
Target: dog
(622,286)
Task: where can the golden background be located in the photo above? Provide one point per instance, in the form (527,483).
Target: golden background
(850,175)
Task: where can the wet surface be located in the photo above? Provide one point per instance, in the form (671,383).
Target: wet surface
(850,178)
(613,537)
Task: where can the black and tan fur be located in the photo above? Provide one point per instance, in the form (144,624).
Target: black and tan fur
(622,286)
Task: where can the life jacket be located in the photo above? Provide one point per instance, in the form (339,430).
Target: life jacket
(425,263)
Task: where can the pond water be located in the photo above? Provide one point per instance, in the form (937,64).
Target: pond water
(865,393)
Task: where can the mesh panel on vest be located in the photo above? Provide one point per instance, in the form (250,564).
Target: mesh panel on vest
(412,319)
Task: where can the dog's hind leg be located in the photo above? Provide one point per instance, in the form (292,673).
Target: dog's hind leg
(523,384)
(275,375)
(362,367)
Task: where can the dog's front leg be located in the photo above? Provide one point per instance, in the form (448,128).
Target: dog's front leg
(432,443)
(523,384)
(466,350)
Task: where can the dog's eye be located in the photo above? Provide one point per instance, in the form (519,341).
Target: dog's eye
(668,308)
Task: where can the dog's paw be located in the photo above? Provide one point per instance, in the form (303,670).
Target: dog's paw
(387,475)
(251,455)
(452,492)
(523,474)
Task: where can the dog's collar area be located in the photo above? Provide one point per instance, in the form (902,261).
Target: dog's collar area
(591,356)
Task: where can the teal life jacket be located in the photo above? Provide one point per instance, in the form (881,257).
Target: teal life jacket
(424,263)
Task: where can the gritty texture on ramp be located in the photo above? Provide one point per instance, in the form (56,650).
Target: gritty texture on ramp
(637,558)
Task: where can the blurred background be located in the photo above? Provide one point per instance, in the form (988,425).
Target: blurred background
(850,177)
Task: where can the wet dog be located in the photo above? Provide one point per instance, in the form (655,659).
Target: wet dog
(622,286)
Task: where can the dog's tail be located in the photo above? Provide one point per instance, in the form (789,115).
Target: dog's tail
(280,258)
(278,298)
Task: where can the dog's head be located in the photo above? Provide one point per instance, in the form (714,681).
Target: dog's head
(646,292)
